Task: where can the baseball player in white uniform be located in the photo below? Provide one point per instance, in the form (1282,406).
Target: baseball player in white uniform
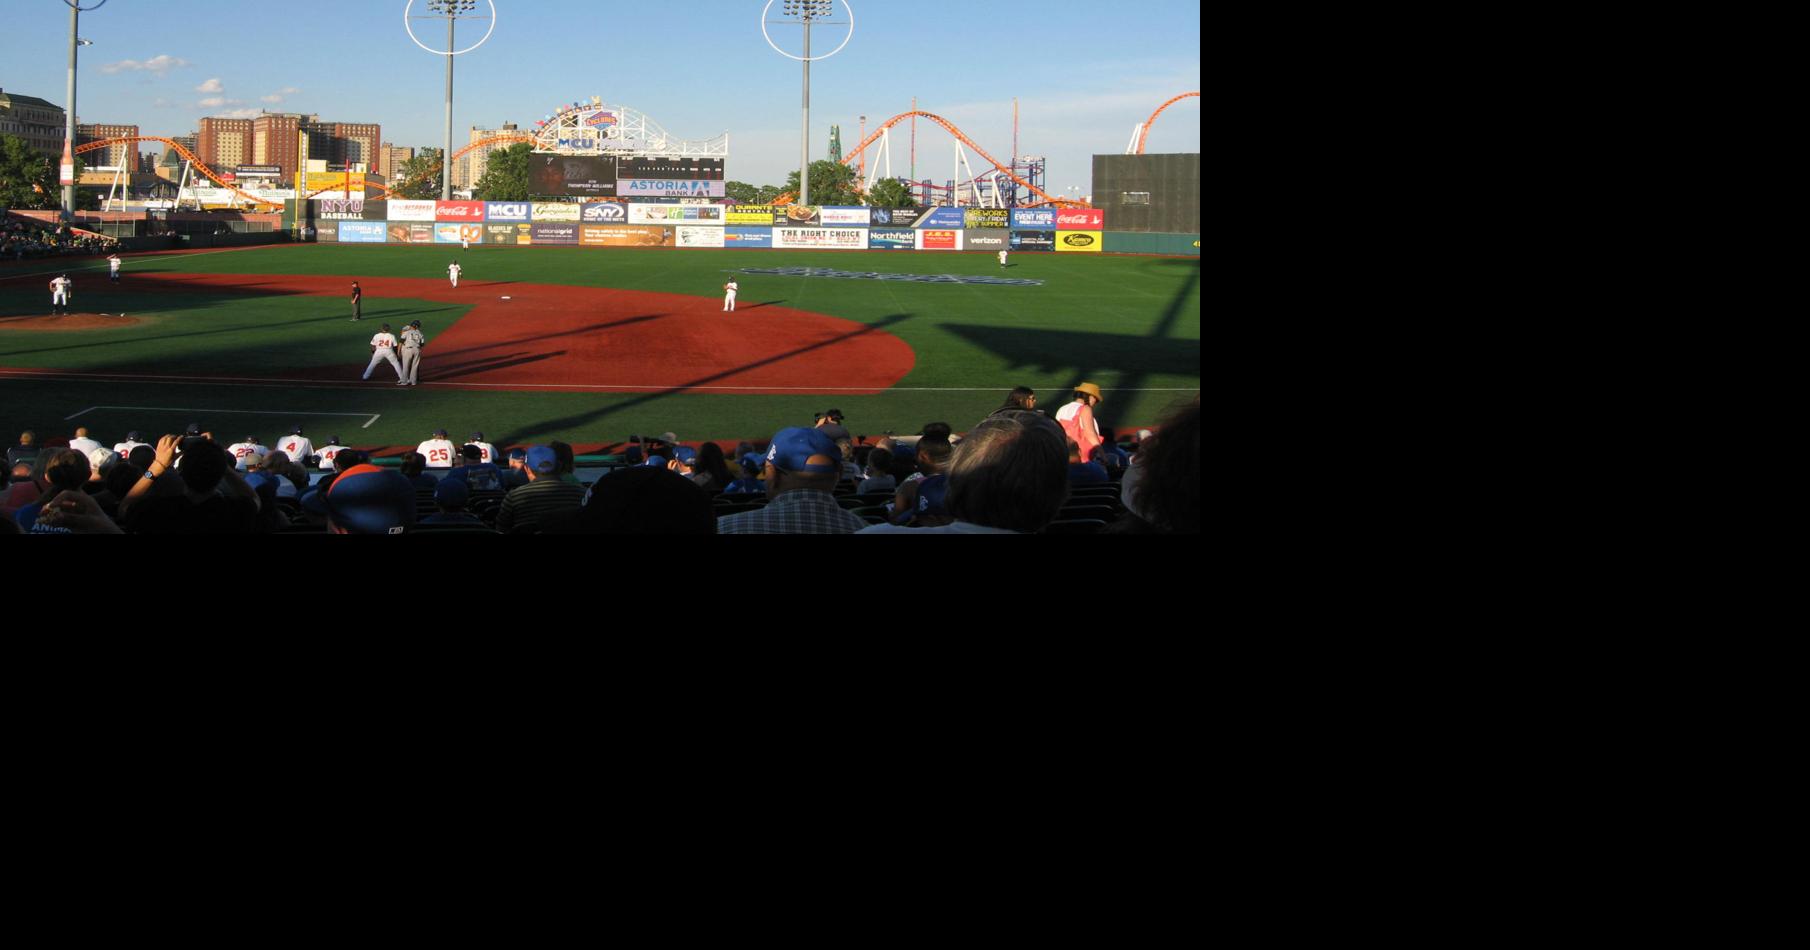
(329,450)
(296,446)
(59,295)
(383,347)
(452,270)
(412,342)
(113,268)
(1002,258)
(438,450)
(486,451)
(247,449)
(729,290)
(464,242)
(132,442)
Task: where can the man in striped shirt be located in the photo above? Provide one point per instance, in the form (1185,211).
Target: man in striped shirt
(801,471)
(545,501)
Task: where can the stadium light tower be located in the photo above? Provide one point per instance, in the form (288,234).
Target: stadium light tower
(805,13)
(452,11)
(66,175)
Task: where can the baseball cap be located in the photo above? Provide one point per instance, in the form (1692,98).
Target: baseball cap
(1143,434)
(264,485)
(518,452)
(931,492)
(333,440)
(659,460)
(452,493)
(440,432)
(417,323)
(470,452)
(792,448)
(753,460)
(193,429)
(542,460)
(133,436)
(296,431)
(386,326)
(365,499)
(477,437)
(101,458)
(685,454)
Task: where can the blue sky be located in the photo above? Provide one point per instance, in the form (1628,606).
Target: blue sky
(1083,78)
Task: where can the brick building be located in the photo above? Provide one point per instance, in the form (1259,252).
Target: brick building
(41,124)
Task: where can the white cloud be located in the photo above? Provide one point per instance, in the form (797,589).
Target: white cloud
(212,85)
(288,91)
(241,114)
(156,64)
(214,102)
(272,99)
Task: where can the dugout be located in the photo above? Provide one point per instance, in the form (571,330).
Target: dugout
(1152,202)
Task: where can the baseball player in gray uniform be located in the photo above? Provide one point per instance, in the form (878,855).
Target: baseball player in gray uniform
(412,342)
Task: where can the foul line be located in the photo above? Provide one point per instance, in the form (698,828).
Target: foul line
(257,412)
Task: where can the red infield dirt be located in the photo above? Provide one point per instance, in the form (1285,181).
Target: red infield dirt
(578,339)
(68,322)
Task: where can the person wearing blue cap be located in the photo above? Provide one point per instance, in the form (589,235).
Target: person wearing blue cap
(801,469)
(450,496)
(749,483)
(365,499)
(544,501)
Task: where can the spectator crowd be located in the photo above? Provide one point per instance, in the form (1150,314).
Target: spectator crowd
(1016,471)
(22,239)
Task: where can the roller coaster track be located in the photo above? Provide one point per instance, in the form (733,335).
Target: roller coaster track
(182,150)
(948,126)
(1145,135)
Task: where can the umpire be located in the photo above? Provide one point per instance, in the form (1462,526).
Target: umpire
(412,342)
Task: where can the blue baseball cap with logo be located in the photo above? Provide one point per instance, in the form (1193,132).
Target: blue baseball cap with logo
(365,499)
(792,448)
(542,460)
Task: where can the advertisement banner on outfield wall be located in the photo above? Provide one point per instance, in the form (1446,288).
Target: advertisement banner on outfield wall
(363,232)
(555,211)
(458,211)
(1081,219)
(626,235)
(798,216)
(1033,219)
(1090,241)
(674,214)
(458,233)
(342,209)
(835,238)
(692,235)
(853,217)
(895,217)
(1034,240)
(943,219)
(892,239)
(603,212)
(334,185)
(755,215)
(554,233)
(747,237)
(507,234)
(668,188)
(327,231)
(936,240)
(507,211)
(405,232)
(986,239)
(411,210)
(999,218)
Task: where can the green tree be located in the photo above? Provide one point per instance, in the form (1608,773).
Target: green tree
(890,193)
(419,177)
(832,183)
(506,174)
(27,179)
(747,194)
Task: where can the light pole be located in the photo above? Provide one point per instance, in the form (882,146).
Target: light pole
(66,174)
(450,10)
(807,12)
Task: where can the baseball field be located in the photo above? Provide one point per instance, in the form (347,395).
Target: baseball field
(586,345)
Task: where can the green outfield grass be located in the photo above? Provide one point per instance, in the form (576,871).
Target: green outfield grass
(1131,324)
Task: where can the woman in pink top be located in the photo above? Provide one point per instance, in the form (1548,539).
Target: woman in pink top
(1077,419)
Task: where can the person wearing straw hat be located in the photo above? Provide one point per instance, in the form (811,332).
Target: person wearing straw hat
(1077,419)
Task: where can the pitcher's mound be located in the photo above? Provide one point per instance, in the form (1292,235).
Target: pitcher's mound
(73,321)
